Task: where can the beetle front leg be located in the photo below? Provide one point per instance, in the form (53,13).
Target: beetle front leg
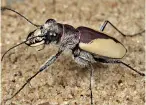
(108,22)
(44,67)
(50,61)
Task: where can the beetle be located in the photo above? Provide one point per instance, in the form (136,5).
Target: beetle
(87,45)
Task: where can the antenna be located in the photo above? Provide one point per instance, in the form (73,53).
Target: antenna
(5,8)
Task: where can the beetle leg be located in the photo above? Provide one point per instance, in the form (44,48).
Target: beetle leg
(118,61)
(85,59)
(91,78)
(84,62)
(50,61)
(44,67)
(106,22)
(82,57)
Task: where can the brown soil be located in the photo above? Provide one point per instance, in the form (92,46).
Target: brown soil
(65,82)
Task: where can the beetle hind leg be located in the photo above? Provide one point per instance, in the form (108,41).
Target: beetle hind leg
(108,22)
(102,60)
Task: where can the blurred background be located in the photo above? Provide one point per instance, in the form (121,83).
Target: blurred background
(65,82)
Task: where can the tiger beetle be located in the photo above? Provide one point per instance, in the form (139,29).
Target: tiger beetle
(87,45)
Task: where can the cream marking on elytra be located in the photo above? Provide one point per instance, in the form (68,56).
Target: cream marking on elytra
(104,47)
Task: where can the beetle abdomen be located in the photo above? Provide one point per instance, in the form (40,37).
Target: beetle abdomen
(100,43)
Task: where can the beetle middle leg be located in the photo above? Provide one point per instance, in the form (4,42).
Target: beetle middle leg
(86,59)
(91,78)
(108,22)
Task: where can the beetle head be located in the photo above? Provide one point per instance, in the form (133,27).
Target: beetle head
(45,34)
(50,32)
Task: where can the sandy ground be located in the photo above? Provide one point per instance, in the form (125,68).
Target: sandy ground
(65,82)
